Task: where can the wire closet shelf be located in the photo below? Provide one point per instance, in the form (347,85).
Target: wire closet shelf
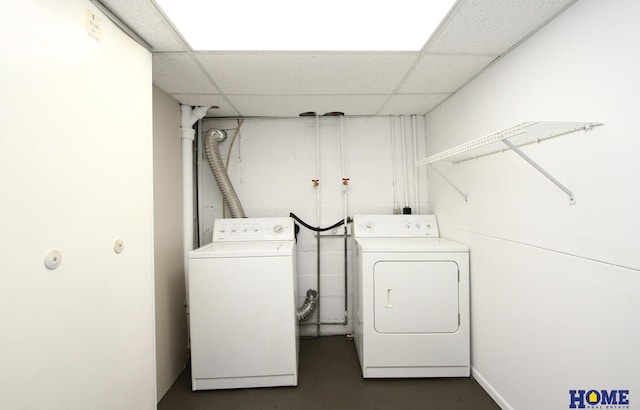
(510,139)
(525,133)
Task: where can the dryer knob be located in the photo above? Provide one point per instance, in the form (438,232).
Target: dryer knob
(277,228)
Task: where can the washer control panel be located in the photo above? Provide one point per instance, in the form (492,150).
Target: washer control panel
(395,226)
(253,229)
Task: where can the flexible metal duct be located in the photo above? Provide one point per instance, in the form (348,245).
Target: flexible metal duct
(308,306)
(211,139)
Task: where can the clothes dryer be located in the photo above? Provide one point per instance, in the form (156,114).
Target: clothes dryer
(411,298)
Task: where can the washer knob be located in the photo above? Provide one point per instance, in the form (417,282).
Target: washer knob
(277,228)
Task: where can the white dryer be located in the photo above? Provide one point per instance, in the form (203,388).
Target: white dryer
(242,313)
(411,298)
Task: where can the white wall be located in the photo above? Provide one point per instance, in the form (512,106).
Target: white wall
(554,286)
(171,322)
(272,164)
(76,174)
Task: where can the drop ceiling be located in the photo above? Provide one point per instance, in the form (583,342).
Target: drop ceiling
(286,83)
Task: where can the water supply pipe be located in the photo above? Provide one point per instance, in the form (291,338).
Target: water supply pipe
(393,162)
(345,193)
(416,182)
(404,163)
(317,230)
(318,205)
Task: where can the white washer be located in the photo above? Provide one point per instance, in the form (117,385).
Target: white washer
(411,298)
(242,290)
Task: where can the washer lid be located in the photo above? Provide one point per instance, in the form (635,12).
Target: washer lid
(410,245)
(243,249)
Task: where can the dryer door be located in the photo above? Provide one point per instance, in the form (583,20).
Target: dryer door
(416,297)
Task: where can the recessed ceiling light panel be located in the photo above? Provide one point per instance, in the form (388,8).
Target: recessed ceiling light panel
(329,25)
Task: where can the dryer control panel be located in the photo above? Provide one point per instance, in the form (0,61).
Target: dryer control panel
(395,226)
(253,229)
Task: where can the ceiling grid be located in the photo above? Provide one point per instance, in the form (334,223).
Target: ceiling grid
(285,83)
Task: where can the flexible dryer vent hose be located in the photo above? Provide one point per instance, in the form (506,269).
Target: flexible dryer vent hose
(211,139)
(308,306)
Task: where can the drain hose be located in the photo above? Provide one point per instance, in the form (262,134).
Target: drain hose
(211,139)
(308,306)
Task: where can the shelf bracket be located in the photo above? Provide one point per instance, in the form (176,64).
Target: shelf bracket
(531,162)
(449,182)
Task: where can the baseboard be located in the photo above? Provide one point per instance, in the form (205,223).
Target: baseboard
(160,394)
(490,390)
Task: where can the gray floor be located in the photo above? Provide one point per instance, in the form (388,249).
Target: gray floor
(329,378)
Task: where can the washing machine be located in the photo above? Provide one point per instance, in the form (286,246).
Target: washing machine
(411,298)
(242,312)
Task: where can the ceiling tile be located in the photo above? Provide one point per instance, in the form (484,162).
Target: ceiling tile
(294,73)
(492,26)
(225,110)
(178,73)
(361,83)
(443,73)
(292,105)
(407,104)
(143,18)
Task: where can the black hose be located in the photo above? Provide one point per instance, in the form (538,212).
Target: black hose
(306,225)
